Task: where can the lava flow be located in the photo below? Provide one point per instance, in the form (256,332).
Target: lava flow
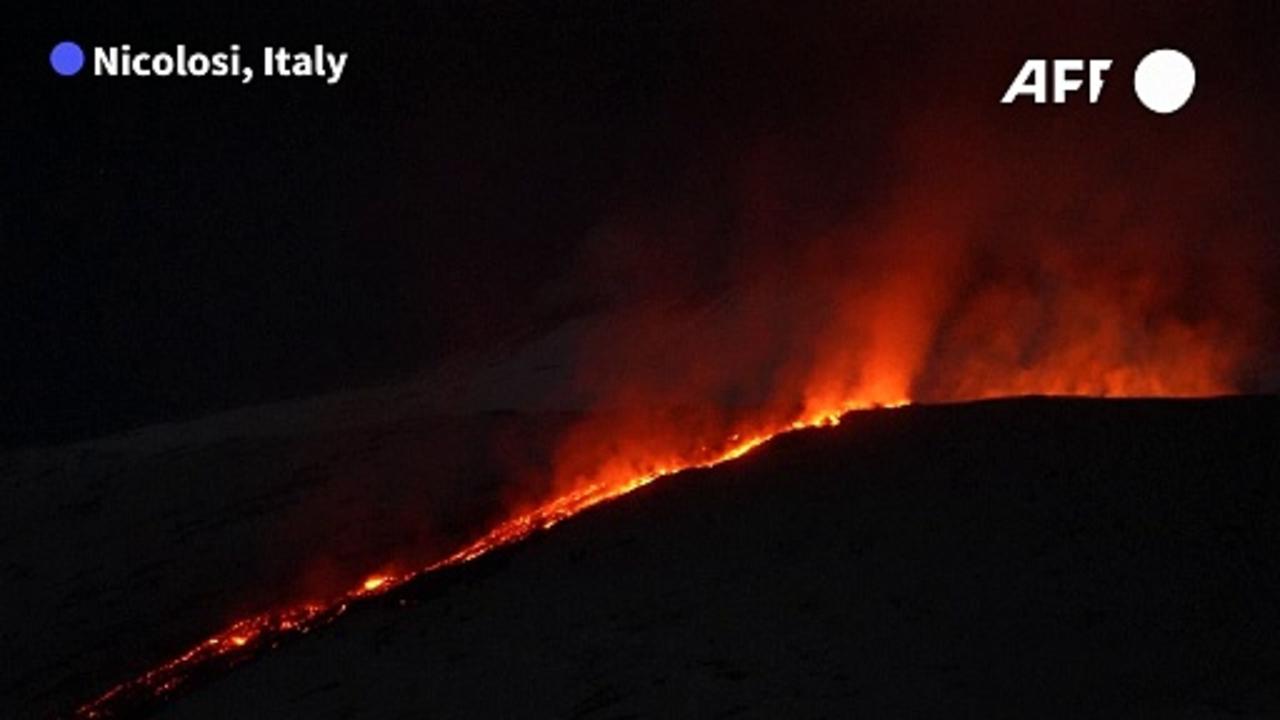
(250,636)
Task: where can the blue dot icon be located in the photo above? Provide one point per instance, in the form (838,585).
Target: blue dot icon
(67,58)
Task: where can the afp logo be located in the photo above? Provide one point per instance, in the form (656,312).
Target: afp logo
(1163,80)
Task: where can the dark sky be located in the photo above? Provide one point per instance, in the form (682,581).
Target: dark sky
(172,247)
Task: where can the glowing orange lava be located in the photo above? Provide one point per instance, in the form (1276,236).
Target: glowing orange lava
(246,637)
(607,461)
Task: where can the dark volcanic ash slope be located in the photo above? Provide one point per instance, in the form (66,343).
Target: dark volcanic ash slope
(1027,558)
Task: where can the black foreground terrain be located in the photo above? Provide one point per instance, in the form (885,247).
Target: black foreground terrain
(1019,558)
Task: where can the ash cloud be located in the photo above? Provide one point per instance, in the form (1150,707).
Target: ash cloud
(842,213)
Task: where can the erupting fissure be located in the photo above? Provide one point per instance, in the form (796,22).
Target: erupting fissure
(251,635)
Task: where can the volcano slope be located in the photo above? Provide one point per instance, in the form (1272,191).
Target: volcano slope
(1017,558)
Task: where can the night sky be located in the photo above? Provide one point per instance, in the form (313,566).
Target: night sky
(169,248)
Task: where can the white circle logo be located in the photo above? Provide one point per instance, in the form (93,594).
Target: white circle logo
(1164,80)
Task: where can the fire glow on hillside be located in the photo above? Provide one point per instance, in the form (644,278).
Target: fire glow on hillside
(249,636)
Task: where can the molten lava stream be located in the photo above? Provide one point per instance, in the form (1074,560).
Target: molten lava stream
(250,636)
